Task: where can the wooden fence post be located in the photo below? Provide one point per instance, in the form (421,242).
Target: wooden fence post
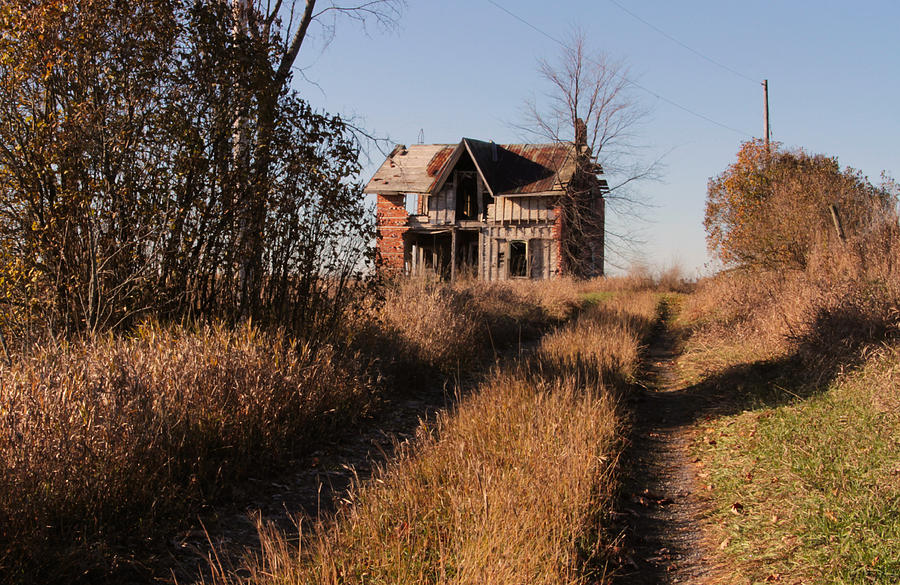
(836,218)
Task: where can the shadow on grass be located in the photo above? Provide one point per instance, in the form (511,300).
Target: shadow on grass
(661,540)
(833,343)
(312,484)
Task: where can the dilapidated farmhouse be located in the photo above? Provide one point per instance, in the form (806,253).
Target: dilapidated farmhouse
(493,211)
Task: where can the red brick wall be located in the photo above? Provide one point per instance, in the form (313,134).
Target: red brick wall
(557,240)
(594,242)
(391,223)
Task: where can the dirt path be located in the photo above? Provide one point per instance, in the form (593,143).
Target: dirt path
(659,516)
(661,511)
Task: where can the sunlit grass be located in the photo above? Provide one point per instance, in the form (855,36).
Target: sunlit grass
(817,481)
(114,439)
(804,479)
(512,486)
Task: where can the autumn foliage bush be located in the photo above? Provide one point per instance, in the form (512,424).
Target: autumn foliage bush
(771,208)
(800,337)
(794,284)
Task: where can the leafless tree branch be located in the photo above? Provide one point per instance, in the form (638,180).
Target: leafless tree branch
(594,88)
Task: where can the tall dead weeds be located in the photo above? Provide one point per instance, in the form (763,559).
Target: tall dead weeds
(512,486)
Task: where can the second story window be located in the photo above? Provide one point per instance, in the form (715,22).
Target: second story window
(466,195)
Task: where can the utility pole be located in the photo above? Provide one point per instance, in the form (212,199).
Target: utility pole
(765,85)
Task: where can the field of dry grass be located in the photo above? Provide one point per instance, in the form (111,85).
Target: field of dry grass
(512,486)
(114,435)
(107,442)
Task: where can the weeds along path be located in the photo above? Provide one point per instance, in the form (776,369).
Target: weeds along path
(513,485)
(310,487)
(313,486)
(660,512)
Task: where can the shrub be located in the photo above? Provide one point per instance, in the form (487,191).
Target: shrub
(769,209)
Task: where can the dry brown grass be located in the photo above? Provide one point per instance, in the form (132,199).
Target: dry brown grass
(451,327)
(846,298)
(556,298)
(111,435)
(433,323)
(641,277)
(810,361)
(512,486)
(111,439)
(613,336)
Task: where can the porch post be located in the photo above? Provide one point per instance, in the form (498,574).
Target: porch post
(452,254)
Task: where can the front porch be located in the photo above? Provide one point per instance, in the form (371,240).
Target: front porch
(446,253)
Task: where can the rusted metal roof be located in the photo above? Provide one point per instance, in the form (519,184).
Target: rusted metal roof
(523,169)
(508,169)
(440,159)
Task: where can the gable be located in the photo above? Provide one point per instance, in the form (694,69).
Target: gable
(523,169)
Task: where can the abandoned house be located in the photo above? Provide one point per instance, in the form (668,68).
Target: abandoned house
(491,211)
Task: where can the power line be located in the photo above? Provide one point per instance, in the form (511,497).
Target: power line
(689,48)
(622,77)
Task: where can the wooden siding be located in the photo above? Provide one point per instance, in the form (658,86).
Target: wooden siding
(441,206)
(521,209)
(542,253)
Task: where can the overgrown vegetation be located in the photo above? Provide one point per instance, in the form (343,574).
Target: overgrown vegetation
(109,441)
(800,455)
(512,486)
(802,458)
(808,491)
(771,208)
(155,164)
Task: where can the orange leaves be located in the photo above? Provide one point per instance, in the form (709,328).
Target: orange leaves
(768,208)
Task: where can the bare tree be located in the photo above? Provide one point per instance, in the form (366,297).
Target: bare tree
(278,30)
(590,102)
(161,164)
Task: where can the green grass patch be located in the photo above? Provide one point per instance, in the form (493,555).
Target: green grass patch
(595,298)
(810,491)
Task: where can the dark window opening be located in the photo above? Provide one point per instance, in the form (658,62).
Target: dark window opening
(466,195)
(518,259)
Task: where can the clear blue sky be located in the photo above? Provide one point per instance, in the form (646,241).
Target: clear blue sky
(464,68)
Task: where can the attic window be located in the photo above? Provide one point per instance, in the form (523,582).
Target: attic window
(518,259)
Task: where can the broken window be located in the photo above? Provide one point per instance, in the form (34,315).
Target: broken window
(518,259)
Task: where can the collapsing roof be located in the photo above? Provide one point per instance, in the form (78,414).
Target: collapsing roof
(507,169)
